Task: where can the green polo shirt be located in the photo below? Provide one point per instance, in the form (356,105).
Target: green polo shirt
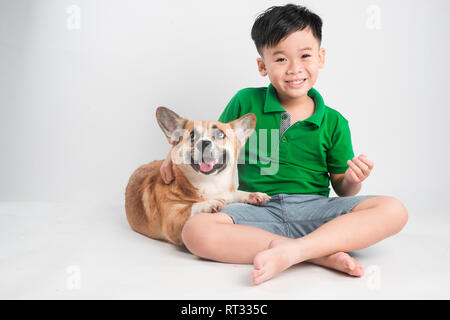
(296,161)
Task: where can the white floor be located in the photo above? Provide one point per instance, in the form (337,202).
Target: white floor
(72,251)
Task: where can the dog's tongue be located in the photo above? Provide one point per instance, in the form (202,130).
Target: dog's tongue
(206,167)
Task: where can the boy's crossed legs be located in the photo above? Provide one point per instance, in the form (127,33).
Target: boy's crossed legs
(214,236)
(252,242)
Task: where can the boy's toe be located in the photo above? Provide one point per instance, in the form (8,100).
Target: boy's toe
(257,272)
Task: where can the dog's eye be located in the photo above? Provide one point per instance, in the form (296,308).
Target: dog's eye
(220,134)
(192,136)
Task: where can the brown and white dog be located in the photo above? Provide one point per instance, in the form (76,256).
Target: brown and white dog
(204,157)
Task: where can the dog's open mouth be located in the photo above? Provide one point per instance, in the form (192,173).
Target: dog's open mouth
(209,166)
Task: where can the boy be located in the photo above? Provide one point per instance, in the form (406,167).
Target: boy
(300,222)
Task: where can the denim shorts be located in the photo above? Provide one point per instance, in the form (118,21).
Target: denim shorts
(292,215)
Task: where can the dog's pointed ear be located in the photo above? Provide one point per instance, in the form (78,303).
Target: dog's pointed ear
(171,124)
(243,128)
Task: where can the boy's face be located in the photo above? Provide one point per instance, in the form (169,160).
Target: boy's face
(296,57)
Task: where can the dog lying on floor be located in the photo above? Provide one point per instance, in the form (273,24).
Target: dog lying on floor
(204,159)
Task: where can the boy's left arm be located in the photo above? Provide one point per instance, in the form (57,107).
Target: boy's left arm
(349,183)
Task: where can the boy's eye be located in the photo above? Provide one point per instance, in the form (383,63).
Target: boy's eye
(303,57)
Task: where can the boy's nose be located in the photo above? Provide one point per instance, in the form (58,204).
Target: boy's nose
(295,67)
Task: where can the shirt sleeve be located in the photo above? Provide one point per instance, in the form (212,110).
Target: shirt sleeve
(341,150)
(232,110)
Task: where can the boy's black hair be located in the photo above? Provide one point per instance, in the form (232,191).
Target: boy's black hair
(279,21)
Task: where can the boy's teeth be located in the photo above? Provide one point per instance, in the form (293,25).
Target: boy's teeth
(296,81)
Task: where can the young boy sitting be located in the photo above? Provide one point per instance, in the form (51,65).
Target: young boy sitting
(300,222)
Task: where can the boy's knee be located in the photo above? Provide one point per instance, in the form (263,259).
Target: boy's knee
(402,213)
(397,210)
(198,233)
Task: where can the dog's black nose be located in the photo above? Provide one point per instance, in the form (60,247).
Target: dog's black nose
(203,144)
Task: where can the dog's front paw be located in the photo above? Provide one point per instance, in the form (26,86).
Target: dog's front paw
(257,198)
(211,206)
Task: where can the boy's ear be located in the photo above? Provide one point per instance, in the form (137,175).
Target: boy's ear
(321,58)
(243,128)
(171,124)
(261,67)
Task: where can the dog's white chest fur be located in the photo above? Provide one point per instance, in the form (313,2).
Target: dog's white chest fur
(212,187)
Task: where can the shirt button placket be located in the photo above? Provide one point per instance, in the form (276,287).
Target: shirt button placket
(284,125)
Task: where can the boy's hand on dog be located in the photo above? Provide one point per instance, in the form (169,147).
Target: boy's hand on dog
(166,170)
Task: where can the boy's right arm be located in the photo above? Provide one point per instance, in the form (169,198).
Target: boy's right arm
(166,170)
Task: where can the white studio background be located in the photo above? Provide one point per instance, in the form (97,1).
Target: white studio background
(80,82)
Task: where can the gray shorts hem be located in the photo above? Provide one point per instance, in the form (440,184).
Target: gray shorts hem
(292,215)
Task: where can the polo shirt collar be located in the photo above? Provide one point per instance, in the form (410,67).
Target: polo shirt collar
(272,104)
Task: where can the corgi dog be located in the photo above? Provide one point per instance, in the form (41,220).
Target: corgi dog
(204,157)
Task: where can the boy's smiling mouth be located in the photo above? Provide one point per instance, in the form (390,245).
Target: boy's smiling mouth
(297,83)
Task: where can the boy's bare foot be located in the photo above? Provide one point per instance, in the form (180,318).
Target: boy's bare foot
(272,261)
(277,258)
(341,261)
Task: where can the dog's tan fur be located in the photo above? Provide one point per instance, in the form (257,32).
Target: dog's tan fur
(147,197)
(159,210)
